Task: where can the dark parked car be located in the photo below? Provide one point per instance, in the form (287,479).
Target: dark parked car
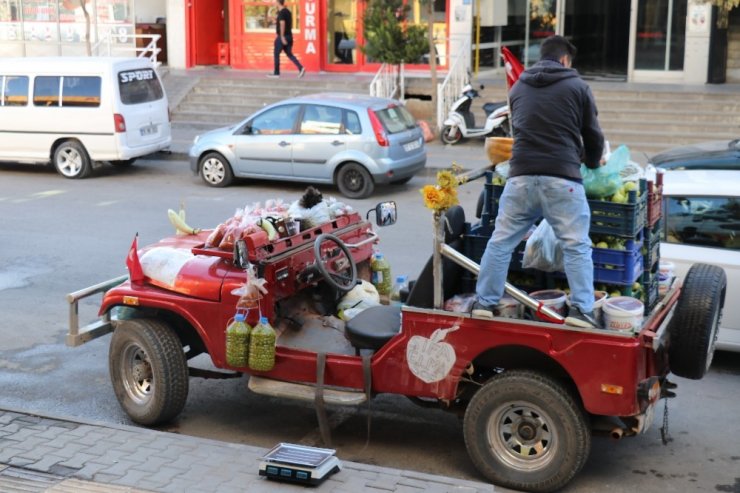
(706,155)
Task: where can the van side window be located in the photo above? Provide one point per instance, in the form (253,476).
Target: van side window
(139,86)
(14,91)
(46,91)
(703,221)
(81,91)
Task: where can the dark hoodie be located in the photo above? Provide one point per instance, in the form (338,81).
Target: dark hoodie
(555,123)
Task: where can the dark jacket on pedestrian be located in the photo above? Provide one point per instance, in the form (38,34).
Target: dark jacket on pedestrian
(555,123)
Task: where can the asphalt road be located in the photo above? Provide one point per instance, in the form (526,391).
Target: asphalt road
(59,235)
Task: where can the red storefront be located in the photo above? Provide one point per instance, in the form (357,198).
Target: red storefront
(327,33)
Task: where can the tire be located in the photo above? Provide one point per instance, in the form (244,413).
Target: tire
(402,181)
(71,160)
(148,371)
(520,408)
(123,162)
(354,181)
(695,323)
(450,135)
(215,170)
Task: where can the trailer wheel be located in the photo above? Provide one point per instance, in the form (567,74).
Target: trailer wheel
(148,370)
(695,323)
(525,431)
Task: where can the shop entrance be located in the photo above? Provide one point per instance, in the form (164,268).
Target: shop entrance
(206,19)
(343,30)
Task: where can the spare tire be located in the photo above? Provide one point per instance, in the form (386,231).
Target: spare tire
(695,323)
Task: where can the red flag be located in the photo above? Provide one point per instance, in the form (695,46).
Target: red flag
(512,66)
(135,272)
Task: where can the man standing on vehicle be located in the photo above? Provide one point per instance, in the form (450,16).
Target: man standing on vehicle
(555,126)
(284,39)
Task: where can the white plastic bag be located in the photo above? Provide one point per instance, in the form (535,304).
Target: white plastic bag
(543,251)
(362,296)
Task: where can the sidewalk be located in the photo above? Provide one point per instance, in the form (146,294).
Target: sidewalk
(63,455)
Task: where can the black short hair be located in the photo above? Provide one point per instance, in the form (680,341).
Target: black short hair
(281,2)
(556,47)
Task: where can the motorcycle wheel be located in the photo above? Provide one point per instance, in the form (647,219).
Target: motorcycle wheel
(450,135)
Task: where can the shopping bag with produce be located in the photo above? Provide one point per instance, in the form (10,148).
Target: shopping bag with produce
(543,251)
(606,180)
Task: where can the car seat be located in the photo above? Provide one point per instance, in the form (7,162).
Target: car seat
(375,326)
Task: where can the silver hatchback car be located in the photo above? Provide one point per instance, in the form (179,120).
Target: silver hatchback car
(354,141)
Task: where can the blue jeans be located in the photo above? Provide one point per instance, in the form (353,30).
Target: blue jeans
(525,199)
(287,48)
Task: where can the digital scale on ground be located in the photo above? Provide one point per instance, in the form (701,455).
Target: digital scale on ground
(299,464)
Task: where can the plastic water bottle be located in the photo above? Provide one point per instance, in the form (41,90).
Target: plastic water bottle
(262,346)
(237,342)
(381,274)
(400,284)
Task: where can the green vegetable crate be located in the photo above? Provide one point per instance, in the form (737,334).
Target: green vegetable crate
(616,219)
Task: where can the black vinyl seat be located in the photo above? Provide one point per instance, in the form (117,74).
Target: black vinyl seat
(377,325)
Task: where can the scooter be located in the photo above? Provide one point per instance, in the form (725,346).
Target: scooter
(460,123)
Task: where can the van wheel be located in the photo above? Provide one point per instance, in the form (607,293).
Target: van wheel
(71,160)
(695,323)
(148,370)
(354,181)
(215,170)
(525,431)
(123,162)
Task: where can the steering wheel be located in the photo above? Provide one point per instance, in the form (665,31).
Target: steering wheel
(337,266)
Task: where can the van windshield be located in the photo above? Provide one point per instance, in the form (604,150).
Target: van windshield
(139,86)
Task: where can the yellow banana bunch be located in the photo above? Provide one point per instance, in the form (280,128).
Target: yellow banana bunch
(178,221)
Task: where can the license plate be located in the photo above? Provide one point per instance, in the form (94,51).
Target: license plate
(148,130)
(412,145)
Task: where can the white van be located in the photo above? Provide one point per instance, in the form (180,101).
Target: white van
(75,111)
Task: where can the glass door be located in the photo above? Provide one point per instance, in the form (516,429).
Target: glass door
(660,39)
(342,52)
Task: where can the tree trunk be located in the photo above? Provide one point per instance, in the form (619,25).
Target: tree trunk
(88,46)
(432,58)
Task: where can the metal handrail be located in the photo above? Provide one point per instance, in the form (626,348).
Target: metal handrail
(151,47)
(389,80)
(451,87)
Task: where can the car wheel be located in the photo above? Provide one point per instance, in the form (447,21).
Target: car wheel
(354,181)
(525,431)
(695,323)
(123,162)
(450,135)
(71,160)
(216,170)
(148,370)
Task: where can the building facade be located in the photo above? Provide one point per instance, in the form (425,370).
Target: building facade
(634,40)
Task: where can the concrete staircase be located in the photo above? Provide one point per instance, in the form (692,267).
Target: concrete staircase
(220,100)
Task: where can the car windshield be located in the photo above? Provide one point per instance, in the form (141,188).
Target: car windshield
(396,119)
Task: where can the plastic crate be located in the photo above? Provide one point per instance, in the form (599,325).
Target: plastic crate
(651,247)
(619,266)
(655,201)
(491,197)
(625,220)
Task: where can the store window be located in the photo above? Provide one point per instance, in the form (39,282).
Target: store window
(261,16)
(40,20)
(419,15)
(13,91)
(661,34)
(10,16)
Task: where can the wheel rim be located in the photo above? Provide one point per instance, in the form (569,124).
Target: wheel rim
(452,134)
(136,374)
(353,180)
(69,162)
(522,435)
(214,171)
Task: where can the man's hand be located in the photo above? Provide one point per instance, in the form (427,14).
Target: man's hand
(283,40)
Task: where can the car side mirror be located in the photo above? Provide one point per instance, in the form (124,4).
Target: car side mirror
(241,254)
(386,213)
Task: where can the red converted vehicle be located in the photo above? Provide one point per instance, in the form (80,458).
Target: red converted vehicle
(531,392)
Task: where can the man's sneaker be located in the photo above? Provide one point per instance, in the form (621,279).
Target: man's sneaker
(577,318)
(273,76)
(483,311)
(301,72)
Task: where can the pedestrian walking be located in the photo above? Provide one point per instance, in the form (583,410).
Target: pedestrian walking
(284,39)
(555,127)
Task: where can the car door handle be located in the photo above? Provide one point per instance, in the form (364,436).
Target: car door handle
(283,144)
(337,143)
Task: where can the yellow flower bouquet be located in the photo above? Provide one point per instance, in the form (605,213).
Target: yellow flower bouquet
(443,195)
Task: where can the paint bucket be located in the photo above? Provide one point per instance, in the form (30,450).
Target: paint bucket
(623,314)
(551,298)
(599,298)
(665,276)
(508,307)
